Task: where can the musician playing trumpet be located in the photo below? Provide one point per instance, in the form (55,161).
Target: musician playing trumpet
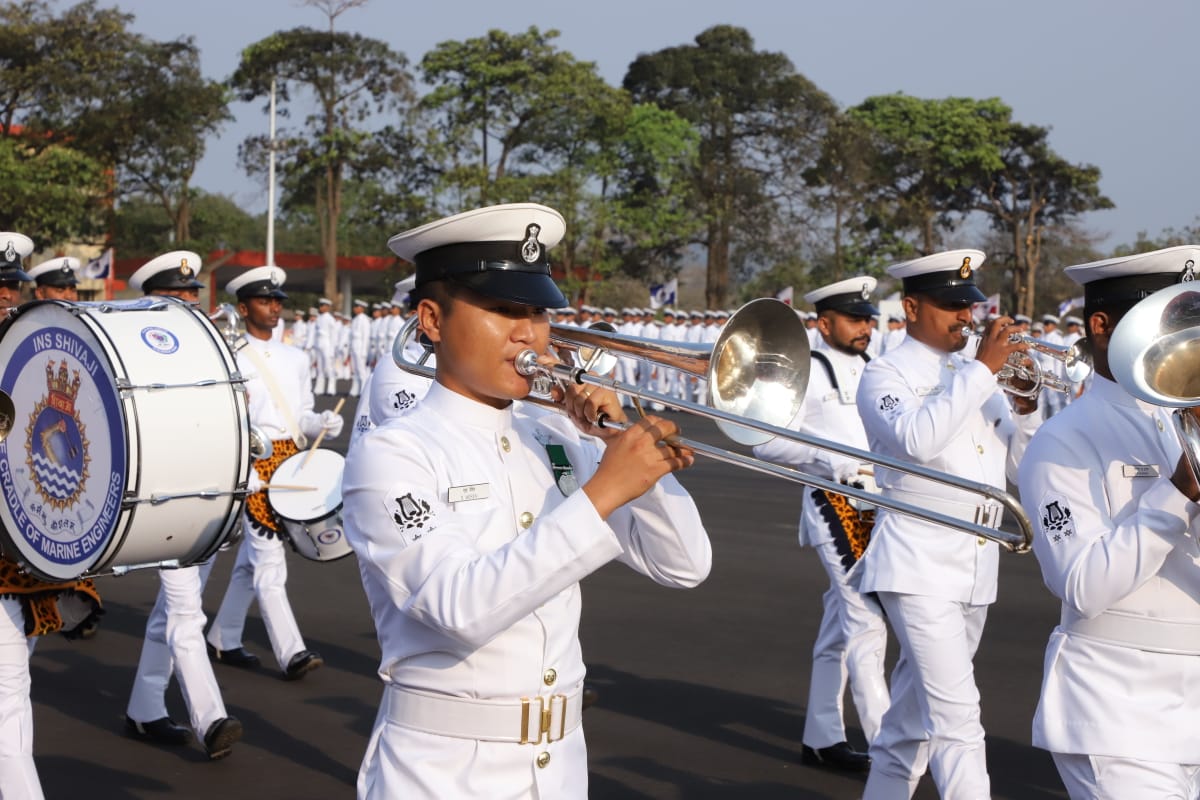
(1114,507)
(474,517)
(926,404)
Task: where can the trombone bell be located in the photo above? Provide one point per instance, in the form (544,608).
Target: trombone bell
(759,368)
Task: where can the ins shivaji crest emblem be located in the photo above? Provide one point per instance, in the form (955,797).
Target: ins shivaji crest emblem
(56,443)
(531,249)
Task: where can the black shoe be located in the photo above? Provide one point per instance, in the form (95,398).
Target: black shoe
(237,657)
(590,696)
(301,664)
(838,756)
(218,742)
(160,731)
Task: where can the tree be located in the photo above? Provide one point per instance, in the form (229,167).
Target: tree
(841,177)
(929,157)
(351,77)
(760,123)
(139,107)
(52,194)
(1034,190)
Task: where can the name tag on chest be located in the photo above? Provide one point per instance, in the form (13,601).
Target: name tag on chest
(928,391)
(1139,470)
(475,491)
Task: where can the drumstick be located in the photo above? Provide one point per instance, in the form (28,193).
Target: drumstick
(336,409)
(287,487)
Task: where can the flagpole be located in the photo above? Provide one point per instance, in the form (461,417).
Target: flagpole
(271,186)
(108,276)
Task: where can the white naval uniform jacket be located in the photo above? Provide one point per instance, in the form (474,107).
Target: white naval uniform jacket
(944,412)
(826,413)
(1114,536)
(480,598)
(289,366)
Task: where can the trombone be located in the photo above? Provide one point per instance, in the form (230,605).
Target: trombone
(757,373)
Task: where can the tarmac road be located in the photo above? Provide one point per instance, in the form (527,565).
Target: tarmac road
(701,691)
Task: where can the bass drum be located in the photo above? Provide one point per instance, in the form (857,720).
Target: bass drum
(306,493)
(130,440)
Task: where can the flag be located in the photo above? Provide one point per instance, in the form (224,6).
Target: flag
(99,267)
(981,311)
(785,295)
(664,294)
(1067,305)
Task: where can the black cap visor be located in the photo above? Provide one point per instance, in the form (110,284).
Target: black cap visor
(850,304)
(13,275)
(171,279)
(526,288)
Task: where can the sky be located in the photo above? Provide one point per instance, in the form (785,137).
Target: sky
(1116,82)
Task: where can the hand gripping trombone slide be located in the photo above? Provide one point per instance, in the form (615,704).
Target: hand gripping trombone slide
(758,367)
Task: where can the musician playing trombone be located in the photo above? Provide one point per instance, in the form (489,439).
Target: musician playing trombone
(852,638)
(474,518)
(926,404)
(1114,508)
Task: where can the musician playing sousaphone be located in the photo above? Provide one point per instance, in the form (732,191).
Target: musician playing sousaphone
(852,638)
(280,400)
(29,607)
(1116,521)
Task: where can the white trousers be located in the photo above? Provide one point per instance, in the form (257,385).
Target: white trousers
(359,371)
(260,572)
(934,718)
(174,643)
(851,646)
(326,374)
(18,775)
(1102,778)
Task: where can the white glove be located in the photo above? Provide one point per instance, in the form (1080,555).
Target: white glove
(254,483)
(332,424)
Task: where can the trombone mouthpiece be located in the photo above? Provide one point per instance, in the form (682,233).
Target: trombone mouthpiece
(526,363)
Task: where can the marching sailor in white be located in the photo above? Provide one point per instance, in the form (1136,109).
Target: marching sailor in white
(852,639)
(324,344)
(281,405)
(359,345)
(474,518)
(926,404)
(56,279)
(1115,519)
(174,640)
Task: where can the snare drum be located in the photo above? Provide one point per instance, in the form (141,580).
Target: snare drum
(130,439)
(312,517)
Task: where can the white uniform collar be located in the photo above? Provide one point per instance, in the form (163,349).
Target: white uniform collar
(924,353)
(461,410)
(1112,392)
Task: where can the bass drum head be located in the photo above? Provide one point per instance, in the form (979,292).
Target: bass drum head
(65,464)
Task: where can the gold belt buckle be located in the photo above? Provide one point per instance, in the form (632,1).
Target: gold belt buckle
(545,706)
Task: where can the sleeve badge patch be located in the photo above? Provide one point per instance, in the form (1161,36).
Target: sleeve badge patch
(1058,523)
(403,400)
(413,516)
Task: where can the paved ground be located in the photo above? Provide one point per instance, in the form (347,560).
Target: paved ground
(702,691)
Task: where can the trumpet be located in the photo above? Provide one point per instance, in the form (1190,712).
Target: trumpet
(1018,378)
(1153,354)
(757,374)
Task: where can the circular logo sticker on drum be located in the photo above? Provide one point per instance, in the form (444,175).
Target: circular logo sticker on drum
(62,466)
(329,536)
(160,340)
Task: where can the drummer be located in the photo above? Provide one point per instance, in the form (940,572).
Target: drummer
(14,249)
(29,607)
(281,405)
(175,629)
(56,279)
